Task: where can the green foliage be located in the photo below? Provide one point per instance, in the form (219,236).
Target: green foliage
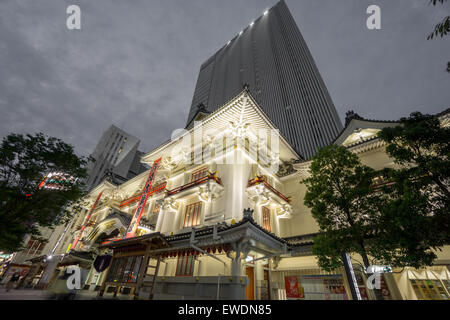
(383,223)
(421,148)
(24,161)
(343,203)
(443,27)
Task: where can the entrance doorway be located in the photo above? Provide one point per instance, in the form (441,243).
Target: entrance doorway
(250,291)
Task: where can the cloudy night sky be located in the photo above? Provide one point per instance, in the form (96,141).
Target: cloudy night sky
(135,63)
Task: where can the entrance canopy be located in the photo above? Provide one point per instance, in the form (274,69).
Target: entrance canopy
(154,240)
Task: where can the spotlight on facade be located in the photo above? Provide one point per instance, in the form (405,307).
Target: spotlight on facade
(266,12)
(240,33)
(252,23)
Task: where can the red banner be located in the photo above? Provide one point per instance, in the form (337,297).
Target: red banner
(142,201)
(291,284)
(87,220)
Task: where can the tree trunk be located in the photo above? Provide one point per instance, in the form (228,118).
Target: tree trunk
(377,292)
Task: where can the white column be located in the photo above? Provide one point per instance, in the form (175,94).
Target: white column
(177,216)
(167,225)
(160,220)
(257,215)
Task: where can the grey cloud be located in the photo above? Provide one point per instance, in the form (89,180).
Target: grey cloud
(135,63)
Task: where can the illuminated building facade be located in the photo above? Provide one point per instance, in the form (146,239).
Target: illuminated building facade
(231,225)
(220,214)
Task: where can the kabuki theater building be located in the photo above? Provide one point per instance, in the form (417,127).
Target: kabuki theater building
(220,215)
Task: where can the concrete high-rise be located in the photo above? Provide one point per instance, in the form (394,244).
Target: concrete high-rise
(116,155)
(271,56)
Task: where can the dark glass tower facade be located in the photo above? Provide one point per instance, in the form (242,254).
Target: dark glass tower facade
(271,56)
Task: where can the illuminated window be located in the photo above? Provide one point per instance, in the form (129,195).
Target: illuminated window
(125,269)
(192,216)
(427,289)
(199,174)
(266,219)
(185,266)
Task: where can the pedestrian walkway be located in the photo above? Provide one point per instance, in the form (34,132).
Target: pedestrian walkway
(23,294)
(32,294)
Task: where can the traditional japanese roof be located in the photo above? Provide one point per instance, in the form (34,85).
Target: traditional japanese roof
(358,130)
(299,240)
(221,227)
(241,108)
(155,238)
(199,114)
(76,257)
(225,236)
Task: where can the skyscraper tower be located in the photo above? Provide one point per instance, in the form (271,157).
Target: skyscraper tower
(116,154)
(271,56)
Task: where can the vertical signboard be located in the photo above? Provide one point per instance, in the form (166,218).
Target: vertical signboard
(291,284)
(351,278)
(140,208)
(86,222)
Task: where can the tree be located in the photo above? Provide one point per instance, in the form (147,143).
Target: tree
(24,162)
(443,27)
(356,217)
(421,148)
(344,205)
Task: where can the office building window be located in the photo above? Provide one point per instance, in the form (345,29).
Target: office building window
(192,216)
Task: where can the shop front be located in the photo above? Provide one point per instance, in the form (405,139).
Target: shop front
(430,283)
(133,261)
(11,268)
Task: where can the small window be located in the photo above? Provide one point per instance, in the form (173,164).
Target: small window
(196,175)
(192,216)
(185,266)
(266,219)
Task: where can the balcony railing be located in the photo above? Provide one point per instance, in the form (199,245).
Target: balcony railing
(210,176)
(262,179)
(156,189)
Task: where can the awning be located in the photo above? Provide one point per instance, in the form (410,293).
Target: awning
(77,257)
(156,240)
